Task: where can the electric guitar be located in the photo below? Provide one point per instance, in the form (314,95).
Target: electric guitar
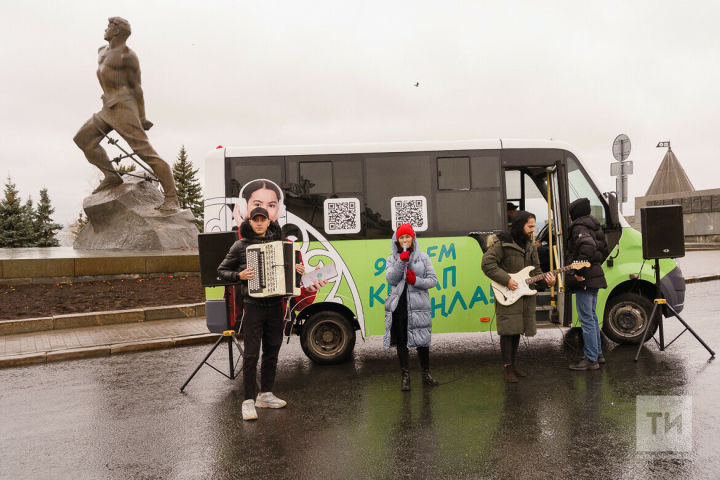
(505,296)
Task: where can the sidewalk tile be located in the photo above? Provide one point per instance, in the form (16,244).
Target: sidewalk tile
(56,345)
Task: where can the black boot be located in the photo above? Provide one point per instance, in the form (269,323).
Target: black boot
(405,380)
(428,380)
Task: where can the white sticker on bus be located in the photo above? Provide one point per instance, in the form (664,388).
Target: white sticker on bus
(412,210)
(342,215)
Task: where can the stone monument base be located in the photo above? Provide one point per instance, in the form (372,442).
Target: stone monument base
(124,217)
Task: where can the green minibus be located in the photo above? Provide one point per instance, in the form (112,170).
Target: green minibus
(343,202)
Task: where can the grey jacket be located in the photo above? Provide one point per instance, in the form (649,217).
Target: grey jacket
(418,299)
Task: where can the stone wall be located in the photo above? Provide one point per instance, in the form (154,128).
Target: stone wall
(701,213)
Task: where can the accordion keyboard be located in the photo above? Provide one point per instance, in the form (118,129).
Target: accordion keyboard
(254,261)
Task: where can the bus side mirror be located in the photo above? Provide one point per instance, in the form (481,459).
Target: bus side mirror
(613,207)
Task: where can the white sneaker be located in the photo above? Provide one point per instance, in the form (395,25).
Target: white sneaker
(268,400)
(248,410)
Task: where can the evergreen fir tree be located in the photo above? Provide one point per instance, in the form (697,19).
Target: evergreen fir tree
(29,221)
(188,187)
(77,226)
(15,223)
(122,169)
(45,228)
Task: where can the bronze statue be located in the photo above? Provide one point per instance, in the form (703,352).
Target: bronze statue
(123,111)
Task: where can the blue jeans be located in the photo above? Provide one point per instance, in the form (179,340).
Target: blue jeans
(586,301)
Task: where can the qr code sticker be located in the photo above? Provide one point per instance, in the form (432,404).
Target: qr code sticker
(412,210)
(342,215)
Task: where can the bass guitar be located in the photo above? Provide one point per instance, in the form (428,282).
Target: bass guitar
(505,296)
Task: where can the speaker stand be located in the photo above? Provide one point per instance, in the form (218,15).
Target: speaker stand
(657,316)
(229,337)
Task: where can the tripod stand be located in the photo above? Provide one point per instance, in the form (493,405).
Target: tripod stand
(218,315)
(657,316)
(229,337)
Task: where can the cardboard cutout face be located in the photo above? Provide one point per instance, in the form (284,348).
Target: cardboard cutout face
(259,193)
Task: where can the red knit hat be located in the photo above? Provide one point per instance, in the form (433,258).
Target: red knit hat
(404,229)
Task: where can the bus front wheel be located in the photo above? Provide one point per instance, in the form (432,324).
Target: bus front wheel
(327,338)
(626,318)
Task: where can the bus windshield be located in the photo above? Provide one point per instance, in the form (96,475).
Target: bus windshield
(579,186)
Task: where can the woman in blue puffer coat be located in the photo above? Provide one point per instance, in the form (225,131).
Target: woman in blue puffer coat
(408,321)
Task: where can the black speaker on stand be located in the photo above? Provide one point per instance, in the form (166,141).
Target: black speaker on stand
(663,237)
(212,248)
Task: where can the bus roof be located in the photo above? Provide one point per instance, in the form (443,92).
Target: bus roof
(480,144)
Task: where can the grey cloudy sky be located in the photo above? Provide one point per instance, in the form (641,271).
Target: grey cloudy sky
(223,72)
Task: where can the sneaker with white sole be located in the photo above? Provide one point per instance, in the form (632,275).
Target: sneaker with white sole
(268,400)
(248,410)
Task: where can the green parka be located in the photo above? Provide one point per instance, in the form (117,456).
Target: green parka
(505,256)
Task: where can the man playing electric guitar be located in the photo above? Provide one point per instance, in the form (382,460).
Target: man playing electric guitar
(507,296)
(511,253)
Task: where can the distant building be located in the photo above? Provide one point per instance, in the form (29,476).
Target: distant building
(671,186)
(670,177)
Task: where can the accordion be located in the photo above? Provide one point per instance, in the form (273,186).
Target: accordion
(274,264)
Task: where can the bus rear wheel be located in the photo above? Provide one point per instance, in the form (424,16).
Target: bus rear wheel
(626,318)
(327,338)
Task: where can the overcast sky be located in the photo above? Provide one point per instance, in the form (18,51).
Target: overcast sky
(257,73)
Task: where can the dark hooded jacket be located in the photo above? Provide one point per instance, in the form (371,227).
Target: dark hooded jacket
(510,252)
(236,261)
(587,242)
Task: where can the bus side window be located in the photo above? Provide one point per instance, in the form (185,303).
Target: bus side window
(453,173)
(313,179)
(316,177)
(347,176)
(243,170)
(513,187)
(394,175)
(469,193)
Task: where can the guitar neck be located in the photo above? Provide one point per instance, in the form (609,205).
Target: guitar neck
(537,278)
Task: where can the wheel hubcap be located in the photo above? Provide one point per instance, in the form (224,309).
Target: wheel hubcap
(628,319)
(327,338)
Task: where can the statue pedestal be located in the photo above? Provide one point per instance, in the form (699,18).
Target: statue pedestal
(124,217)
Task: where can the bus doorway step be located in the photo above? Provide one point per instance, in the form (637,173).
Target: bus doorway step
(546,316)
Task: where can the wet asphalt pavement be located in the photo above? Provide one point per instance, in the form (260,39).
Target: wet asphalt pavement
(123,417)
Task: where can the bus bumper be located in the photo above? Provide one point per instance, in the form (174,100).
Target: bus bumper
(673,289)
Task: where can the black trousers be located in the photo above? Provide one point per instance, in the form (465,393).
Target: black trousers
(508,348)
(423,355)
(262,324)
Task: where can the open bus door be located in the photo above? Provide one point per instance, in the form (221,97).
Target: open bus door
(537,187)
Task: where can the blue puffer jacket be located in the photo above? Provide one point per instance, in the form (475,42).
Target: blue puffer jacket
(418,299)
